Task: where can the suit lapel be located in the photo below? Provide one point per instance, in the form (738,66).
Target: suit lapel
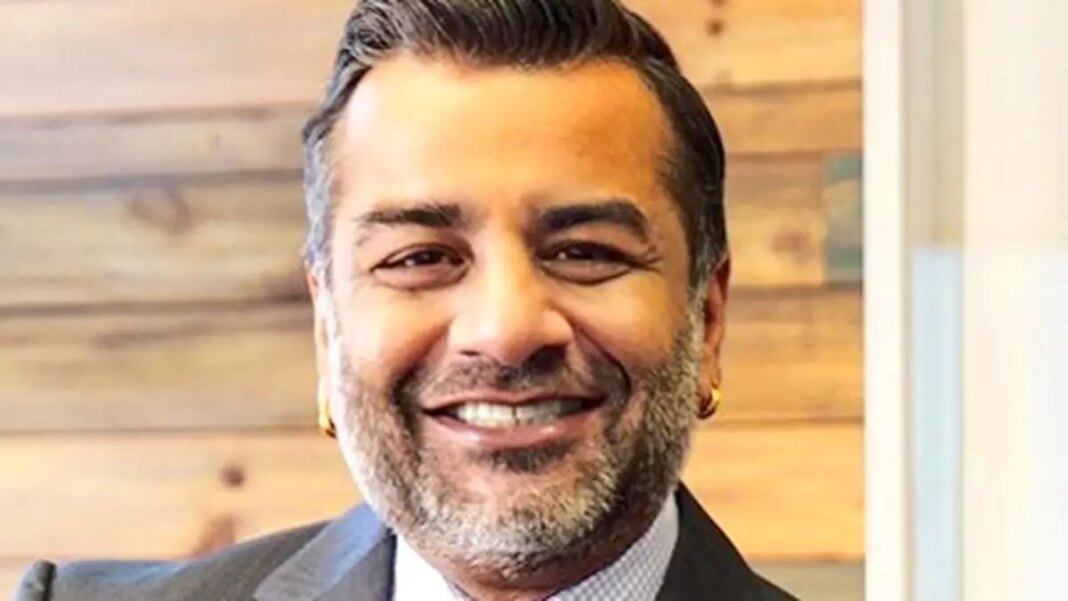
(370,580)
(350,560)
(704,565)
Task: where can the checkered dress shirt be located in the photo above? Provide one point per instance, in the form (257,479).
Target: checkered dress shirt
(636,576)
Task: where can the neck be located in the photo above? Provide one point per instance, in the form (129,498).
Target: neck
(541,582)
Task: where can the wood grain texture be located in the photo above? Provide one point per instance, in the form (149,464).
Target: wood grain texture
(180,241)
(776,232)
(797,119)
(152,243)
(794,355)
(37,152)
(780,492)
(756,42)
(166,369)
(788,356)
(113,56)
(110,56)
(804,482)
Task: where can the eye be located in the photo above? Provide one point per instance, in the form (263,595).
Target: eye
(587,262)
(422,258)
(586,251)
(420,268)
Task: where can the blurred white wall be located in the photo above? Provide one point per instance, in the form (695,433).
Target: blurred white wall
(966,345)
(1015,346)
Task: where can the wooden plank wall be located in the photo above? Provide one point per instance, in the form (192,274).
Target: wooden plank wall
(156,382)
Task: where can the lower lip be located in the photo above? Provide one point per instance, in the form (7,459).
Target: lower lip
(515,437)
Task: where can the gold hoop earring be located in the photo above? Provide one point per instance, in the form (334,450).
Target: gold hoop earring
(710,402)
(326,423)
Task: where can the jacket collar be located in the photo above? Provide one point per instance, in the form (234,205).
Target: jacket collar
(705,562)
(351,559)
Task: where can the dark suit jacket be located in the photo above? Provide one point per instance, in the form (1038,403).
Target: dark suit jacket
(351,559)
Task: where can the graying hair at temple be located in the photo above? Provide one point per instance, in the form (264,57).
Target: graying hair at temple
(527,34)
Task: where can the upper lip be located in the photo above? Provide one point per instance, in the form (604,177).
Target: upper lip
(504,398)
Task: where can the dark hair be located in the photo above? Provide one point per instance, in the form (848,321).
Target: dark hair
(528,34)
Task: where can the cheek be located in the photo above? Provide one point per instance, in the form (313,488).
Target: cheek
(385,333)
(387,336)
(633,323)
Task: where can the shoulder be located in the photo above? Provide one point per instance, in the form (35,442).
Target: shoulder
(231,574)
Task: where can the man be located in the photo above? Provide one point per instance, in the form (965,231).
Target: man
(518,261)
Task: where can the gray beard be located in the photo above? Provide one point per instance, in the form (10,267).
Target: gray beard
(628,481)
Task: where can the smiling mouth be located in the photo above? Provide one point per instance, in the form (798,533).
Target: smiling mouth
(506,415)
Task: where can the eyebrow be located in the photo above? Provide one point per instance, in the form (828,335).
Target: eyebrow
(614,212)
(447,215)
(436,215)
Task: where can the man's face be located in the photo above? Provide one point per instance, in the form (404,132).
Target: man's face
(509,341)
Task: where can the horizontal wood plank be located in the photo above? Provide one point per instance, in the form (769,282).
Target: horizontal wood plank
(34,153)
(808,492)
(776,233)
(782,493)
(159,369)
(112,56)
(794,355)
(71,57)
(152,243)
(788,356)
(176,241)
(818,119)
(760,42)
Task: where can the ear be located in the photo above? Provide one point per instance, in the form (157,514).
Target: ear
(715,313)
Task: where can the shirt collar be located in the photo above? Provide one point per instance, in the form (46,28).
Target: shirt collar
(637,575)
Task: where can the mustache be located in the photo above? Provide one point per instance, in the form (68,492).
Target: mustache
(551,371)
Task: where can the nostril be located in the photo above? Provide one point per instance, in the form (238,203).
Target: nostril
(547,359)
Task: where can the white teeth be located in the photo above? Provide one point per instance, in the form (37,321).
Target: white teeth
(490,415)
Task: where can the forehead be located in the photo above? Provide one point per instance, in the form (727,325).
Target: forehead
(422,127)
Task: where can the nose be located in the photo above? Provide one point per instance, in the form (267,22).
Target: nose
(506,313)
